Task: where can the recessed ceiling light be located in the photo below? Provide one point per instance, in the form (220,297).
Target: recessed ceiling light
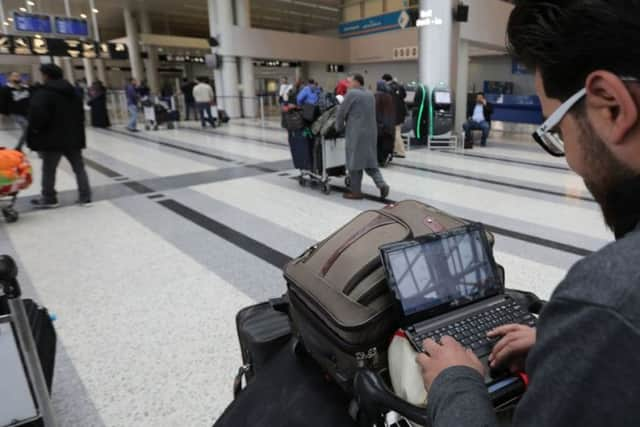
(95,10)
(10,19)
(23,9)
(30,3)
(83,16)
(38,36)
(6,24)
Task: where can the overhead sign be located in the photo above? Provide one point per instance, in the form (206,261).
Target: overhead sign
(196,59)
(32,23)
(335,68)
(71,26)
(518,67)
(378,24)
(274,63)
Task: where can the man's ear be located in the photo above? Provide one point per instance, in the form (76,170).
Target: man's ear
(611,108)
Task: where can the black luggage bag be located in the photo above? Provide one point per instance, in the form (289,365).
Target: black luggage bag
(262,331)
(301,149)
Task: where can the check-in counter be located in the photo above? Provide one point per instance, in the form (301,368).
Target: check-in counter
(516,109)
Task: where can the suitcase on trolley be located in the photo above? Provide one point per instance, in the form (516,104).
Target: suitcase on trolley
(301,149)
(340,305)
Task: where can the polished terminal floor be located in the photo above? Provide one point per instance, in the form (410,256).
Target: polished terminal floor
(189,226)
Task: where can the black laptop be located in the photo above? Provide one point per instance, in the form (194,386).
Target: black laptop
(449,284)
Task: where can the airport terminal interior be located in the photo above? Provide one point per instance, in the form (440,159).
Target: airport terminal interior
(189,224)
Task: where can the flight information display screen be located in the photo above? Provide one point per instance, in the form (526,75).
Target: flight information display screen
(32,23)
(451,271)
(71,26)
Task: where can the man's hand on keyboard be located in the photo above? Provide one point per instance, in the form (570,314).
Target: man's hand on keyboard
(512,349)
(438,357)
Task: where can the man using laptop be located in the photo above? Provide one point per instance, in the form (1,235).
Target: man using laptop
(583,360)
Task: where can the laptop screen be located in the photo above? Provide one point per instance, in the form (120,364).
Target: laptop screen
(447,271)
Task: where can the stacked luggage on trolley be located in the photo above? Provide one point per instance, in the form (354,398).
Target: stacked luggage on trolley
(328,353)
(161,112)
(317,149)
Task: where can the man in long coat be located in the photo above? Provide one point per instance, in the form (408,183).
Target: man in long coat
(358,115)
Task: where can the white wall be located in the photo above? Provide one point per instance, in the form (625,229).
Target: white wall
(487,23)
(498,68)
(403,71)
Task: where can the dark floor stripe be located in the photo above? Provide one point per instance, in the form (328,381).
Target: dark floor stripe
(102,169)
(495,182)
(254,247)
(155,196)
(174,146)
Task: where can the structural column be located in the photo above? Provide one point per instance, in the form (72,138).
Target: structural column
(229,88)
(214,32)
(133,45)
(151,63)
(462,84)
(249,100)
(100,67)
(89,75)
(435,40)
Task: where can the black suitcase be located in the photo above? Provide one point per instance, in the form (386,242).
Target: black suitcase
(301,149)
(386,144)
(262,332)
(223,116)
(44,334)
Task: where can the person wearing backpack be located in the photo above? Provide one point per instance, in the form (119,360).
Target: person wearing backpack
(399,94)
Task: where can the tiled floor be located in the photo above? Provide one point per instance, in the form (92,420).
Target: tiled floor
(191,225)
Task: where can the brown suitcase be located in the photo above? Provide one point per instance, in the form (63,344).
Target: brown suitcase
(340,306)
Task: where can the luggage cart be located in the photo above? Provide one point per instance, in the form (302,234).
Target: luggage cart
(329,160)
(158,114)
(25,396)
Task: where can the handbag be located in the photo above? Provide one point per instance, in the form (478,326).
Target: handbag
(294,120)
(309,112)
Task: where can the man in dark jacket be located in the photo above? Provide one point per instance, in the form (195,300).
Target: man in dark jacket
(583,359)
(56,130)
(480,119)
(14,102)
(189,100)
(399,95)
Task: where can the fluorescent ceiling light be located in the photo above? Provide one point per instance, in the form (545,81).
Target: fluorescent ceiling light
(23,9)
(95,10)
(30,3)
(10,19)
(83,16)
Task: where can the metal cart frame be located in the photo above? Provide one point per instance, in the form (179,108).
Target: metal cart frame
(333,155)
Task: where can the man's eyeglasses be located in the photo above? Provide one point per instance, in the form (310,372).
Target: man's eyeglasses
(548,134)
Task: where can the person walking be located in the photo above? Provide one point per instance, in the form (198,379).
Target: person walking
(98,105)
(283,92)
(481,119)
(386,121)
(357,114)
(14,102)
(399,95)
(133,97)
(189,100)
(204,96)
(56,130)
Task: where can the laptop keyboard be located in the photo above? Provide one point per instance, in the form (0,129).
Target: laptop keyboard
(471,332)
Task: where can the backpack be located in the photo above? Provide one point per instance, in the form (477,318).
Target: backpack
(326,101)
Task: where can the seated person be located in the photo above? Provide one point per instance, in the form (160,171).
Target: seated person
(582,359)
(481,119)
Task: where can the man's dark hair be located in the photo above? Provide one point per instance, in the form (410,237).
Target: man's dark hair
(387,77)
(311,81)
(359,78)
(52,71)
(131,79)
(566,40)
(480,94)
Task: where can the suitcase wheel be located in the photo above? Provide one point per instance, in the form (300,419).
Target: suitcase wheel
(326,188)
(302,181)
(10,215)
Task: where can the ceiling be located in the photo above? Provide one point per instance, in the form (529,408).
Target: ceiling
(189,18)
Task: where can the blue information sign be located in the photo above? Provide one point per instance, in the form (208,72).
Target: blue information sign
(31,23)
(377,24)
(71,26)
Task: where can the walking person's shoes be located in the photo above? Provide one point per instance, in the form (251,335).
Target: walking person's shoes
(43,203)
(384,192)
(133,130)
(353,196)
(83,202)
